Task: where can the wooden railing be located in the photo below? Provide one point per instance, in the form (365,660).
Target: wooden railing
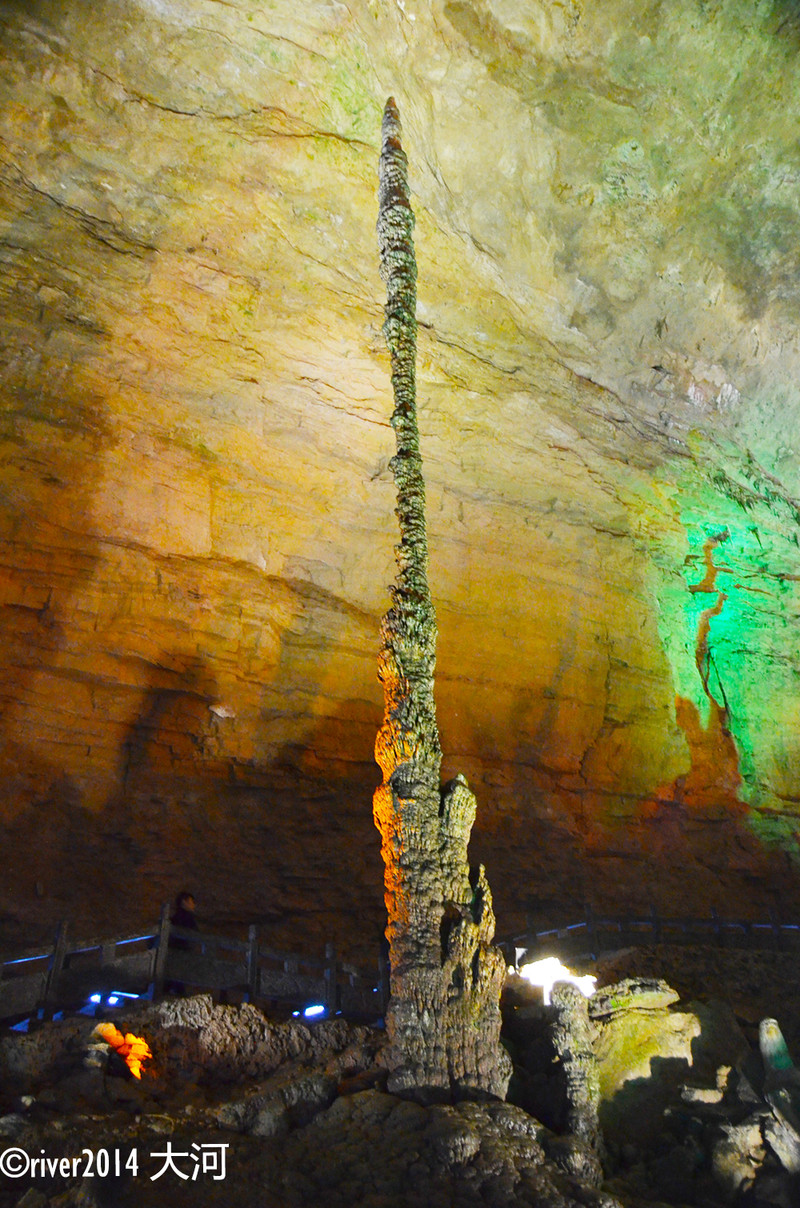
(601,933)
(170,958)
(148,965)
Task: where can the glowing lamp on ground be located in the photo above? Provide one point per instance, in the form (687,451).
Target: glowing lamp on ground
(313,1012)
(133,1049)
(116,996)
(547,972)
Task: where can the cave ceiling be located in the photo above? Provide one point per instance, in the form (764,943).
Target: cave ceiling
(197,520)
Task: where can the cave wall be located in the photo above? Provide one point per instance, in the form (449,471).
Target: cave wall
(197,520)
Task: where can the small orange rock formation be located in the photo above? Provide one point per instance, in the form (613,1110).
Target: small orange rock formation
(134,1049)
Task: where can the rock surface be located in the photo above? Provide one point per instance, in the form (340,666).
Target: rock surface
(281,1098)
(197,512)
(305,1117)
(465,1154)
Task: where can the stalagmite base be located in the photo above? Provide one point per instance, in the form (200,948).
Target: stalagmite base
(443,1021)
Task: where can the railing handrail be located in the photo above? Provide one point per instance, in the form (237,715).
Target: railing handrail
(652,926)
(85,946)
(651,922)
(200,937)
(200,952)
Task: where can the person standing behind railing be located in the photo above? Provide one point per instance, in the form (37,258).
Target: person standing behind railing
(183,917)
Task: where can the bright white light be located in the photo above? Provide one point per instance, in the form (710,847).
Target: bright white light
(317,1009)
(547,972)
(113,1000)
(95,997)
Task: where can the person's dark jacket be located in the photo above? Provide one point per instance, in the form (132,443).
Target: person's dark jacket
(182,918)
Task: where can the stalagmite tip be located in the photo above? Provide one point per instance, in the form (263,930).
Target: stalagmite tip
(390,126)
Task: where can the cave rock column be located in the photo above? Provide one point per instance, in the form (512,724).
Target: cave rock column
(443,1019)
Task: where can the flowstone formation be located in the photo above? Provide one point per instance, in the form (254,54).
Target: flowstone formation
(443,1021)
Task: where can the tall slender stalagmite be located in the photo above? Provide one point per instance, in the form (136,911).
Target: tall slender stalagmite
(443,1021)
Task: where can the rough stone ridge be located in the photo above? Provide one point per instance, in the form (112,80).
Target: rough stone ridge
(195,1040)
(638,993)
(443,1020)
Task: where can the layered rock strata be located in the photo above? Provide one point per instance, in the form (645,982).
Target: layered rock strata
(196,515)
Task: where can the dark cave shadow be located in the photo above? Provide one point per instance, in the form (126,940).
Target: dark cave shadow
(638,1108)
(161,760)
(283,836)
(636,1112)
(324,857)
(276,840)
(110,869)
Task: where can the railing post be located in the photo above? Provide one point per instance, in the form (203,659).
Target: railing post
(160,956)
(715,919)
(331,995)
(591,932)
(625,931)
(55,966)
(252,962)
(656,923)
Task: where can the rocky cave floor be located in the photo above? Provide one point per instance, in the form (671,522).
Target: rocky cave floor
(306,1120)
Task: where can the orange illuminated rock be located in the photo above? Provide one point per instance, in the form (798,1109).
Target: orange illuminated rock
(134,1049)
